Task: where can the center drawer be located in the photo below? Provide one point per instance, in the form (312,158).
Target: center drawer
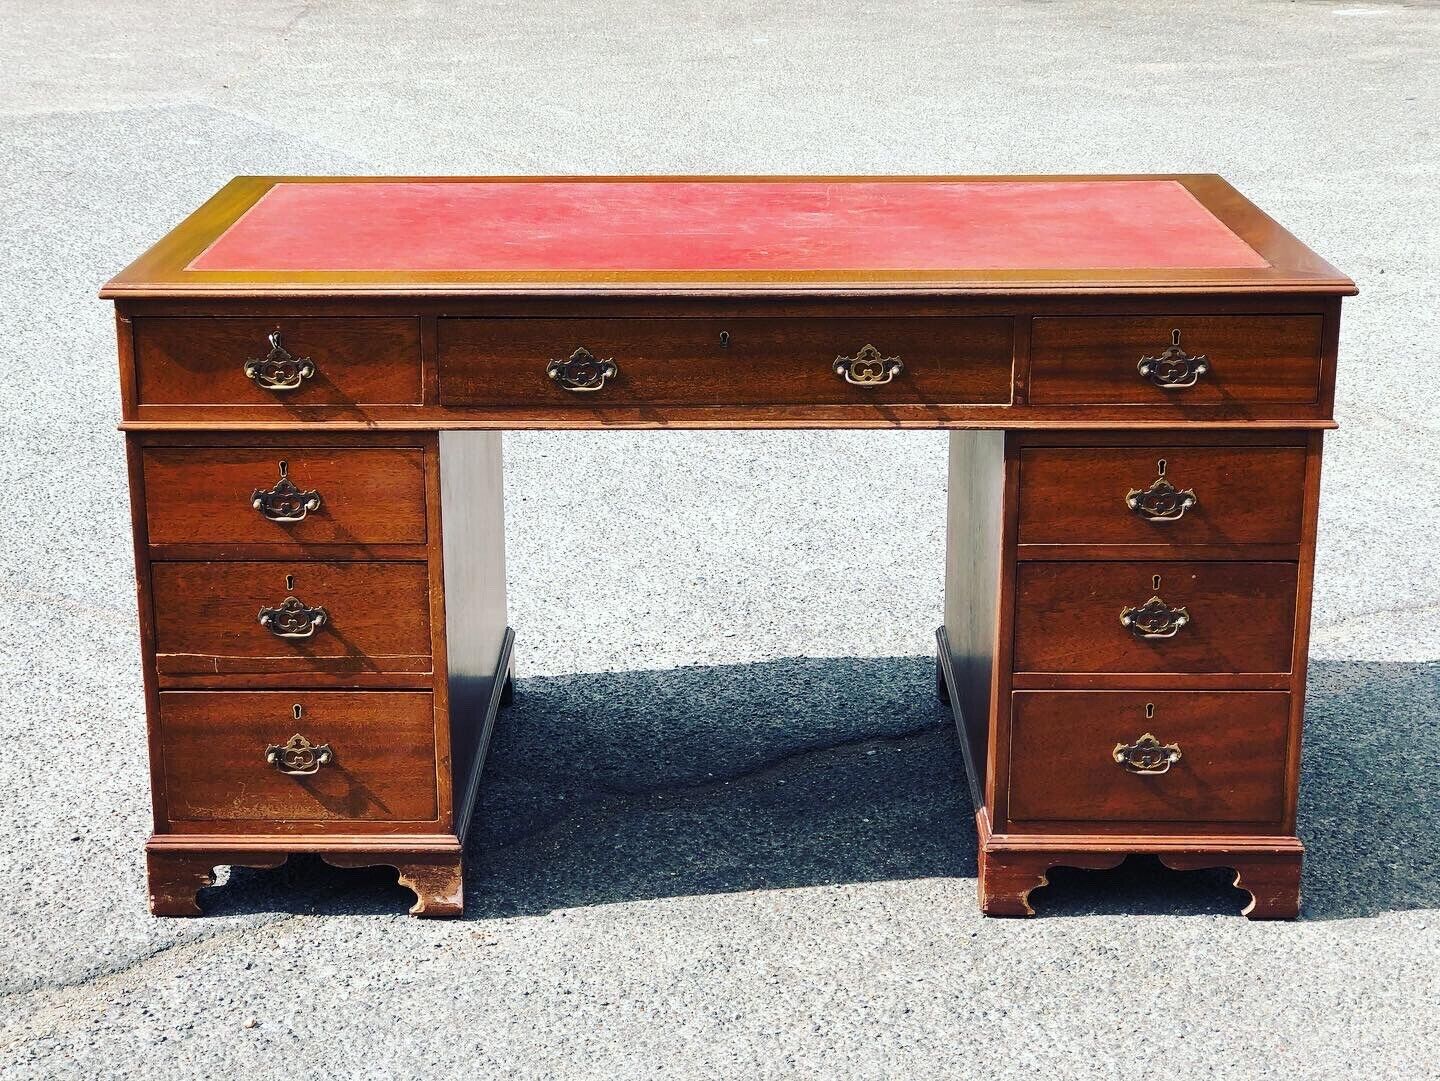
(261,618)
(298,756)
(1211,617)
(743,361)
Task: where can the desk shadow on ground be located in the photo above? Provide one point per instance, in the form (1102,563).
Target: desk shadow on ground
(612,787)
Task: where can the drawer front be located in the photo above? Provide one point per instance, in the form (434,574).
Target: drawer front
(227,618)
(1237,618)
(1161,495)
(381,743)
(335,363)
(207,495)
(1231,749)
(710,362)
(1249,360)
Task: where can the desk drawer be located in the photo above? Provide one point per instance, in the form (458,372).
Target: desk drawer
(710,362)
(207,495)
(1161,495)
(381,764)
(1237,617)
(321,617)
(1248,360)
(1231,765)
(223,361)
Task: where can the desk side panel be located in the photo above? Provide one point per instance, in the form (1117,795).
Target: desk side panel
(973,556)
(473,535)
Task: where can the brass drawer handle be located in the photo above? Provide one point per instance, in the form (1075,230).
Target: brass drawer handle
(1154,619)
(1162,501)
(868,368)
(1174,369)
(1147,755)
(284,502)
(582,373)
(293,619)
(298,757)
(279,370)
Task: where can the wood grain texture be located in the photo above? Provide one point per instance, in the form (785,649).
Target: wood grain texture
(1041,558)
(1254,360)
(1242,617)
(198,495)
(214,743)
(436,879)
(1244,495)
(377,618)
(1271,879)
(478,640)
(1232,765)
(178,866)
(497,362)
(359,361)
(974,550)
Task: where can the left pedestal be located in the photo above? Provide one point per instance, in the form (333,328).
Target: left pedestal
(307,690)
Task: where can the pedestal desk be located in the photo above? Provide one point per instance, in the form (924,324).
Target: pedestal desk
(1135,372)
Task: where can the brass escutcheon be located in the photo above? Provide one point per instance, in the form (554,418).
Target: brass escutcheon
(582,373)
(1174,369)
(868,368)
(1146,755)
(298,757)
(279,370)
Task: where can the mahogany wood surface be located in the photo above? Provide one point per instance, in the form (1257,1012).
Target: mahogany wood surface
(214,745)
(1068,617)
(974,553)
(377,619)
(730,362)
(417,371)
(200,360)
(202,495)
(1253,360)
(1243,495)
(1232,765)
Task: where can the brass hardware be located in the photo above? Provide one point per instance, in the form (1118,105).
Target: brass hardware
(724,339)
(582,373)
(293,619)
(289,583)
(1174,369)
(1162,501)
(1154,619)
(298,757)
(279,370)
(1147,755)
(284,502)
(1155,583)
(868,368)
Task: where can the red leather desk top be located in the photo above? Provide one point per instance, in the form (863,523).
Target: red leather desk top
(701,225)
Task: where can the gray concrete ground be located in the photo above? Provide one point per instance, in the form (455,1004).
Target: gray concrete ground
(724,834)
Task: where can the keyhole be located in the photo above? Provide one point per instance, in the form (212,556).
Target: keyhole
(1149,711)
(1175,338)
(1155,582)
(297,710)
(284,468)
(1160,466)
(724,339)
(289,583)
